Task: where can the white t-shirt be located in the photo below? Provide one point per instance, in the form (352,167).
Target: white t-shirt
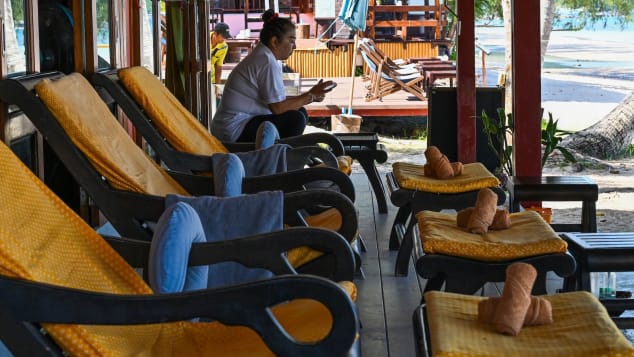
(253,84)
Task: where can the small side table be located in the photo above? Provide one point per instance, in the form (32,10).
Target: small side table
(600,252)
(557,188)
(365,148)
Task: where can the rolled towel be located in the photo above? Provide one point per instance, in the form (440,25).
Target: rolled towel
(439,163)
(516,298)
(540,311)
(457,168)
(462,218)
(428,171)
(501,220)
(482,216)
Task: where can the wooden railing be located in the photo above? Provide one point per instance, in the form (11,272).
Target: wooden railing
(435,16)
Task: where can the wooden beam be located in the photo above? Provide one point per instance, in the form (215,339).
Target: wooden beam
(135,33)
(526,88)
(465,91)
(406,23)
(90,37)
(369,112)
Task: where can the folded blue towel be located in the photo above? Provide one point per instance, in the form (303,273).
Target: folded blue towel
(233,217)
(228,174)
(177,229)
(264,161)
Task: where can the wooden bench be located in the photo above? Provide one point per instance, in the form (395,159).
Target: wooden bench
(432,75)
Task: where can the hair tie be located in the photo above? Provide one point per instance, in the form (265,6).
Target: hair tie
(273,17)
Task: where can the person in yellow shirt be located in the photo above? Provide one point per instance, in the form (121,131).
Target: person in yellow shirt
(219,50)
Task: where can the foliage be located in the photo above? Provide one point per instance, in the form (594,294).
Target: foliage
(629,152)
(17,7)
(551,137)
(593,11)
(103,12)
(498,133)
(484,9)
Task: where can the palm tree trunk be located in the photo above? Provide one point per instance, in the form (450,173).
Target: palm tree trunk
(610,136)
(548,16)
(508,56)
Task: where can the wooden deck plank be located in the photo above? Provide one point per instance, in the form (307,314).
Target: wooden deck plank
(400,103)
(370,303)
(386,302)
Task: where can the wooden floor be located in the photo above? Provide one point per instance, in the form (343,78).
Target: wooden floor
(386,303)
(400,103)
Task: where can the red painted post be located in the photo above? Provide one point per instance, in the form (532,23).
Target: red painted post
(526,88)
(465,88)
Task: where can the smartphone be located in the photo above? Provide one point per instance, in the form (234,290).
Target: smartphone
(330,87)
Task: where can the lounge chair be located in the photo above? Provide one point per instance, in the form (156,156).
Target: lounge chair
(462,262)
(179,139)
(65,291)
(412,192)
(398,65)
(127,186)
(447,326)
(386,80)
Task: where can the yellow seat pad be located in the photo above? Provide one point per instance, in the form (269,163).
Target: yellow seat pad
(95,131)
(581,327)
(329,219)
(42,239)
(474,177)
(529,235)
(181,129)
(345,164)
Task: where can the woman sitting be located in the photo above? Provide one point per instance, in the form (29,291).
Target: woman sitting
(255,91)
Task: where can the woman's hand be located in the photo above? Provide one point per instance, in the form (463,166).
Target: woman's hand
(319,90)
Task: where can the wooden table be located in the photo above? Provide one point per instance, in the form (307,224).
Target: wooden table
(557,188)
(365,148)
(602,252)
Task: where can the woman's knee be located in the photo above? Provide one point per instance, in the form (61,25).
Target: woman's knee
(295,122)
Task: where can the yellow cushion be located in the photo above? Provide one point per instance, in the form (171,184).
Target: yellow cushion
(85,117)
(181,129)
(95,131)
(474,177)
(345,164)
(529,235)
(581,328)
(41,239)
(328,219)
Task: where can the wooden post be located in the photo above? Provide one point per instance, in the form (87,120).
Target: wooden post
(526,88)
(465,89)
(353,69)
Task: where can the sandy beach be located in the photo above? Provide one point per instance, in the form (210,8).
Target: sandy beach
(586,73)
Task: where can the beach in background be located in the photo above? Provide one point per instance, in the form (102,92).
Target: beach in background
(586,73)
